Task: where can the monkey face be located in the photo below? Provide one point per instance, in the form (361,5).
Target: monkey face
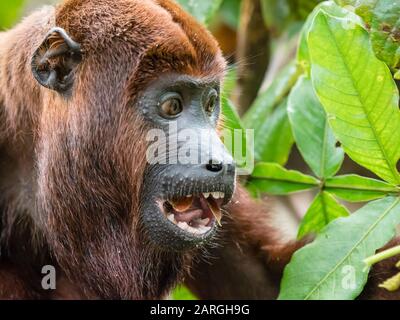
(190,175)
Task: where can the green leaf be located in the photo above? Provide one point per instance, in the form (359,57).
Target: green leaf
(267,116)
(272,97)
(303,57)
(229,82)
(232,123)
(332,266)
(9,12)
(356,188)
(274,179)
(322,211)
(358,94)
(230,115)
(382,18)
(274,140)
(314,137)
(202,10)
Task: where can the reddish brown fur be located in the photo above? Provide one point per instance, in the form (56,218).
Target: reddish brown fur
(71,169)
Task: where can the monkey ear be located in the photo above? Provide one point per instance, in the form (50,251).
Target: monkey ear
(54,62)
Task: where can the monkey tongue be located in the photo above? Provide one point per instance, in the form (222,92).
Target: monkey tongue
(186,211)
(215,209)
(181,204)
(189,216)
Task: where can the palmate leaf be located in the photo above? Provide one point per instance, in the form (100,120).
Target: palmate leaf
(202,10)
(356,188)
(274,179)
(332,266)
(358,94)
(322,211)
(311,130)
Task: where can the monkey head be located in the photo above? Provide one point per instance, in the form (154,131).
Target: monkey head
(113,74)
(191,175)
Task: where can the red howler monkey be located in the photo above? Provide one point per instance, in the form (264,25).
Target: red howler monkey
(81,85)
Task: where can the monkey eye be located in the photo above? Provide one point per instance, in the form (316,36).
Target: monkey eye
(171,105)
(211,102)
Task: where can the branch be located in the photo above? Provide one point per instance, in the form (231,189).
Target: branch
(253,54)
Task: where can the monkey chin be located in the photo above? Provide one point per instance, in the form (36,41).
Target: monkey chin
(188,218)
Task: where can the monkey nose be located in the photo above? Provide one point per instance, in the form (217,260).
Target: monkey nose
(214,166)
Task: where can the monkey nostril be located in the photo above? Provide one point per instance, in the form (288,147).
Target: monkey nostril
(214,166)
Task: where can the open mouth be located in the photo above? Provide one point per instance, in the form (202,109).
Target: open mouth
(195,214)
(182,206)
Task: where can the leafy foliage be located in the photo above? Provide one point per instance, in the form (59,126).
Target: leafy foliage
(361,102)
(340,98)
(356,188)
(274,179)
(277,139)
(313,136)
(233,123)
(382,18)
(332,266)
(268,119)
(323,210)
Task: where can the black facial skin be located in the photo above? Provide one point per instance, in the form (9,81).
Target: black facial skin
(216,172)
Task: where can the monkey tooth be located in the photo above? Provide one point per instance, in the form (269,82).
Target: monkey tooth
(215,209)
(182,204)
(200,228)
(215,195)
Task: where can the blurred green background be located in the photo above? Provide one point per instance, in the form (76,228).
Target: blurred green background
(9,12)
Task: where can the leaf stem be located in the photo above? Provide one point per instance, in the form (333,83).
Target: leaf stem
(389,253)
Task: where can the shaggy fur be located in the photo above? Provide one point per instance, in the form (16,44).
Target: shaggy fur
(71,167)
